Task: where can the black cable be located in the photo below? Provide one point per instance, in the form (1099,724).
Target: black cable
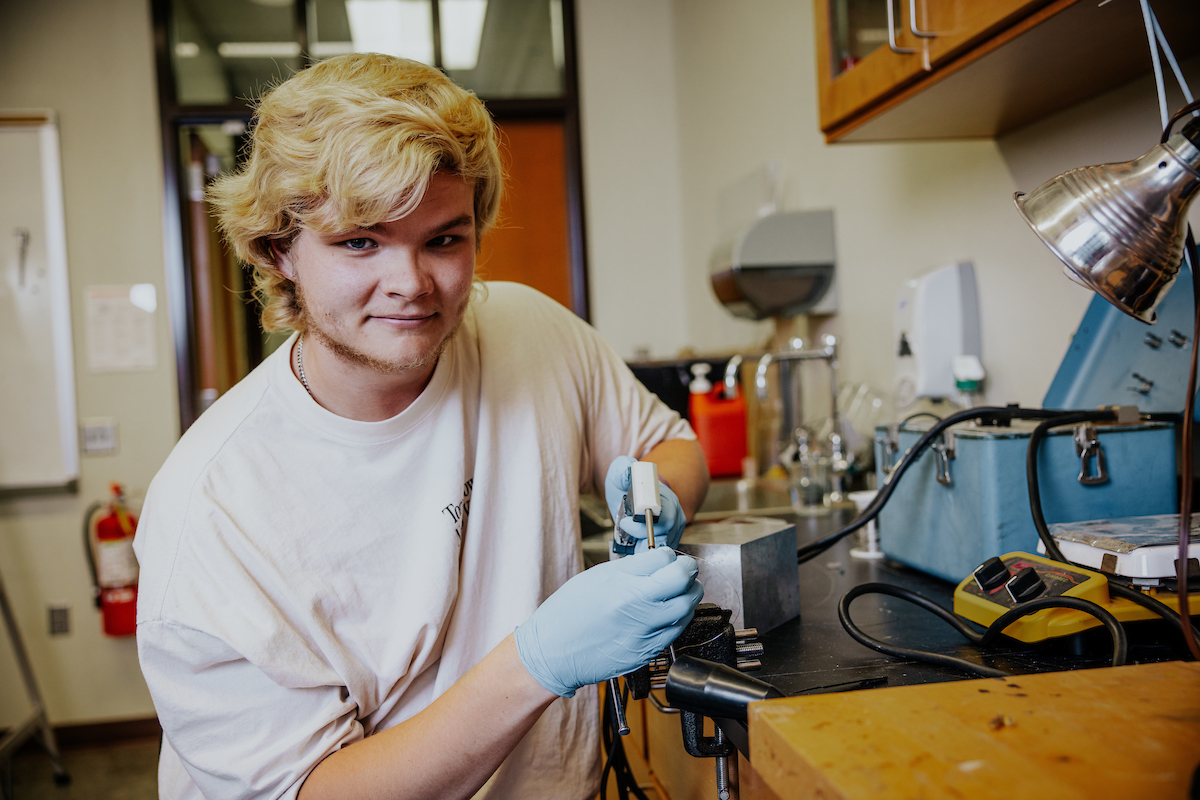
(1188,426)
(1120,640)
(607,733)
(1149,603)
(988,413)
(985,639)
(1043,530)
(1031,473)
(1162,416)
(616,762)
(904,652)
(630,780)
(1189,418)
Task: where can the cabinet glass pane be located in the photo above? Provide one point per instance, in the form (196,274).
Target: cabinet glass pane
(504,48)
(858,27)
(223,51)
(496,48)
(397,27)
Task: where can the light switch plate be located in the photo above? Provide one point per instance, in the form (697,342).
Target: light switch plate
(99,436)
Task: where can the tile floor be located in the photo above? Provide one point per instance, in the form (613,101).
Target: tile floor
(123,771)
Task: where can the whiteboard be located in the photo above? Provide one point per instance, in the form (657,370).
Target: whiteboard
(38,435)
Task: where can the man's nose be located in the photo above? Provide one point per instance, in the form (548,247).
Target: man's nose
(405,275)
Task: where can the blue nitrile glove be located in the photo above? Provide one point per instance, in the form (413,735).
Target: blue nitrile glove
(668,528)
(609,620)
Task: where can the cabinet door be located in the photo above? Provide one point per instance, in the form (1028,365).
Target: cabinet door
(949,27)
(856,62)
(858,65)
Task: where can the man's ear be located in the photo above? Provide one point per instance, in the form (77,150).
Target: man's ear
(283,259)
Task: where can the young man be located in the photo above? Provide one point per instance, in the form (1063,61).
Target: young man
(361,567)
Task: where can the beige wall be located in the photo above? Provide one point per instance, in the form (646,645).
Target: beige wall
(632,184)
(740,91)
(93,65)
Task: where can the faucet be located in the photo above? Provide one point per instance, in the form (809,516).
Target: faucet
(731,376)
(827,352)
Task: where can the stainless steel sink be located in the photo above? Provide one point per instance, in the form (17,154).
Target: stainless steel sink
(764,497)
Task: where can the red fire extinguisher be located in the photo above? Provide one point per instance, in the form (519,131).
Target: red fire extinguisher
(108,539)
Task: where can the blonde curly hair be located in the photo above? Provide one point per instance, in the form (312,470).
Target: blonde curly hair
(348,143)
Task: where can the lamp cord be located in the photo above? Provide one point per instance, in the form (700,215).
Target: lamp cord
(1155,36)
(1150,22)
(1187,467)
(1170,54)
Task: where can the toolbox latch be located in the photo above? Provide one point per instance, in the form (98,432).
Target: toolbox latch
(890,444)
(944,454)
(1088,448)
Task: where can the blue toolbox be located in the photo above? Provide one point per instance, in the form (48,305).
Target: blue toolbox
(966,498)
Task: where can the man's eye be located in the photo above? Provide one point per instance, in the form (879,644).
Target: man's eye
(443,241)
(358,244)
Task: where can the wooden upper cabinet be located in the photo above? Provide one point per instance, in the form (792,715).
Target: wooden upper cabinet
(977,68)
(856,67)
(860,62)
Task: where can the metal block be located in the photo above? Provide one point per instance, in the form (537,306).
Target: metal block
(749,566)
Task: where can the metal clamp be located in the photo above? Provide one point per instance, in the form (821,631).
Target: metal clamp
(722,766)
(658,704)
(1087,447)
(890,444)
(943,455)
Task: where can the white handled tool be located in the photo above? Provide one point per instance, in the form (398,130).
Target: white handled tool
(644,501)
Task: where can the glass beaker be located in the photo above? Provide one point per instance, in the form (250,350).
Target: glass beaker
(808,474)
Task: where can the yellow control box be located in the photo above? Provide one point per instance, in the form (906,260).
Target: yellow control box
(985,605)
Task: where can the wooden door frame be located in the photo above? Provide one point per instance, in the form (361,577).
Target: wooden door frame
(173,117)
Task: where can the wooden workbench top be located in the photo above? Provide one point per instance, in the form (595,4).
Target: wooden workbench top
(1130,731)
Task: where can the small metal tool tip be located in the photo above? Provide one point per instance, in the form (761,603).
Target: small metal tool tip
(618,709)
(650,529)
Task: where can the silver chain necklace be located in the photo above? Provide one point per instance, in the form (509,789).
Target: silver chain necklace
(300,364)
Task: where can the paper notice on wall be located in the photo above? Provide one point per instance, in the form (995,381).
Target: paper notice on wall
(120,327)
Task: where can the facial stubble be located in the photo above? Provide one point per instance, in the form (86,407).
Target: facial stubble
(351,355)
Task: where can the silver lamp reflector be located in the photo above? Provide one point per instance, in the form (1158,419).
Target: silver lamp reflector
(1119,228)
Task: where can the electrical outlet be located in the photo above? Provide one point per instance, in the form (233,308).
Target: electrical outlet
(60,619)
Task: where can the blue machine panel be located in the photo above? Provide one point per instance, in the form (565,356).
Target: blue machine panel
(949,530)
(1115,359)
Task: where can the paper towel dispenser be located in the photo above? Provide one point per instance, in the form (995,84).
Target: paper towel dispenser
(779,266)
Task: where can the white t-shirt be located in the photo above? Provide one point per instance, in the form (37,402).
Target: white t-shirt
(307,580)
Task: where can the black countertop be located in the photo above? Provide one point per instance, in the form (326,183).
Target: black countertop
(814,654)
(814,651)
